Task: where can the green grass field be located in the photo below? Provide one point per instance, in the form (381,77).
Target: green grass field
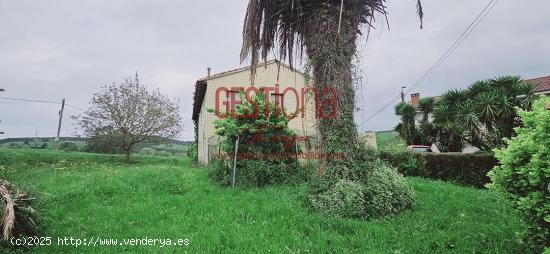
(172,148)
(390,141)
(89,195)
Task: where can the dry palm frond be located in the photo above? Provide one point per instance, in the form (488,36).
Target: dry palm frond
(8,218)
(17,215)
(280,25)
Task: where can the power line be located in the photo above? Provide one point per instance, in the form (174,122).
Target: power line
(41,101)
(457,43)
(29,100)
(74,107)
(473,25)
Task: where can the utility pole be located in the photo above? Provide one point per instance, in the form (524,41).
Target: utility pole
(2,90)
(59,125)
(403,94)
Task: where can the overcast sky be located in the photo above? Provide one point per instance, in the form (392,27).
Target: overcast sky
(51,50)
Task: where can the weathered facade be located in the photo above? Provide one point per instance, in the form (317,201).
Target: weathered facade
(268,75)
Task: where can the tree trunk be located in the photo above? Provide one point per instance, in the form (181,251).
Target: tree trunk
(128,156)
(128,150)
(331,56)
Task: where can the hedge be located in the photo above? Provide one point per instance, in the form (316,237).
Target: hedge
(466,169)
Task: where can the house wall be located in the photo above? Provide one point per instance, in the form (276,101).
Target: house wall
(202,146)
(265,76)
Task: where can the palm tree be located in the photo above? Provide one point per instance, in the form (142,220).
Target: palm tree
(448,126)
(407,127)
(326,30)
(426,106)
(495,101)
(483,114)
(426,130)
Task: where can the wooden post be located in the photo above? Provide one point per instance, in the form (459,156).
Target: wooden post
(296,153)
(235,162)
(59,124)
(340,18)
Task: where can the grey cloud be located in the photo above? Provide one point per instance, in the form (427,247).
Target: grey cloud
(68,49)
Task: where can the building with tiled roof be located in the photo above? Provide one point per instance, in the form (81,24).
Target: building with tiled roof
(542,85)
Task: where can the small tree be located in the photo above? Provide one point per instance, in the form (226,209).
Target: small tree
(130,113)
(267,147)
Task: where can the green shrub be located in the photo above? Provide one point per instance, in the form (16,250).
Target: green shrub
(147,151)
(387,192)
(409,164)
(466,169)
(68,146)
(192,152)
(266,146)
(381,191)
(524,173)
(258,173)
(346,198)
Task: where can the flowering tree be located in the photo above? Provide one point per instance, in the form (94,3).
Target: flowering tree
(130,113)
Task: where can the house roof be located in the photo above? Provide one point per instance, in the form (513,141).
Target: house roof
(198,97)
(202,83)
(542,84)
(230,72)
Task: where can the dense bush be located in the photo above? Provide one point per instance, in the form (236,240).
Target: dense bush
(410,164)
(68,146)
(387,192)
(345,198)
(102,144)
(266,146)
(258,173)
(160,150)
(192,152)
(379,191)
(467,169)
(524,173)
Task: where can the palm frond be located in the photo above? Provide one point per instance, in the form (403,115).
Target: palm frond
(17,218)
(279,25)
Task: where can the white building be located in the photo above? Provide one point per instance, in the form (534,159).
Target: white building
(268,74)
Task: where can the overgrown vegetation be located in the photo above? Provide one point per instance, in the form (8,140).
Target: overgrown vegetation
(370,184)
(193,152)
(524,176)
(258,173)
(327,31)
(267,150)
(85,195)
(381,192)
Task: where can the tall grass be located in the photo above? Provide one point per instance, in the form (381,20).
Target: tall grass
(85,195)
